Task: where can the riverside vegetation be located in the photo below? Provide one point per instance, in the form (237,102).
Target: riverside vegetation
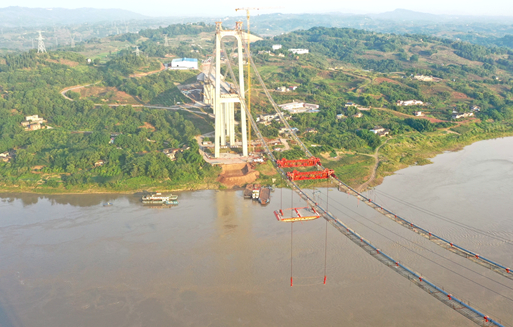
(370,69)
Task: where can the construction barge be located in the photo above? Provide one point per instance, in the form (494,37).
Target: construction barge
(258,193)
(160,198)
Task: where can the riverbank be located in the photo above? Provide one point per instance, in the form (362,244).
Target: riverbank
(360,171)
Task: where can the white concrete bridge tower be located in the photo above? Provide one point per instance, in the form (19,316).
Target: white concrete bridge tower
(224,100)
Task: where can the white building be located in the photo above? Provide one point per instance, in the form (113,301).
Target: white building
(299,51)
(184,63)
(266,118)
(276,46)
(410,103)
(380,131)
(418,113)
(462,115)
(34,119)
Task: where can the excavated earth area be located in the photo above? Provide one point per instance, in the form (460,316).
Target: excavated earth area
(237,175)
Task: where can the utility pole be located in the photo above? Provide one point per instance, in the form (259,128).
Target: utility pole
(72,41)
(166,42)
(40,44)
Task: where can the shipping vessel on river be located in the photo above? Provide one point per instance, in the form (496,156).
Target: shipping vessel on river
(258,193)
(160,198)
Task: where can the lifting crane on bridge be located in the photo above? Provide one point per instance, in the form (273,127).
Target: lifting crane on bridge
(310,162)
(248,42)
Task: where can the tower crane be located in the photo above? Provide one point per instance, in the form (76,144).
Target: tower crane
(248,9)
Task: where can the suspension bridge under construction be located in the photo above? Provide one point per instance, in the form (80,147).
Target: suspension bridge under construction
(314,210)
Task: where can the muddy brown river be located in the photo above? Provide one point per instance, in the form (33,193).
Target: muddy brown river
(219,260)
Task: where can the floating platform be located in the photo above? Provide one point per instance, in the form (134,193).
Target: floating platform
(296,214)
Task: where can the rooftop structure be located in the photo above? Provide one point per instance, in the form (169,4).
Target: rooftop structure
(184,63)
(427,78)
(410,103)
(462,115)
(299,107)
(380,131)
(299,51)
(5,156)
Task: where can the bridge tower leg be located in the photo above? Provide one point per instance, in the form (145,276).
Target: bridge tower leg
(231,125)
(217,102)
(222,118)
(243,126)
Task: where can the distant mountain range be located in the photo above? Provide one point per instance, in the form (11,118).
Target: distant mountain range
(31,17)
(410,15)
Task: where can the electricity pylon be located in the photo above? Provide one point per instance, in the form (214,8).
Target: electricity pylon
(137,51)
(40,44)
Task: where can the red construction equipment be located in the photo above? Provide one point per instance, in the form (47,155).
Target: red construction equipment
(312,161)
(301,176)
(296,214)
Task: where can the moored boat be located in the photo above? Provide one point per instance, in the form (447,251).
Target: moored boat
(256,192)
(248,191)
(160,198)
(265,195)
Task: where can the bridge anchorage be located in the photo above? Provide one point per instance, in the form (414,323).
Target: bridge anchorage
(415,278)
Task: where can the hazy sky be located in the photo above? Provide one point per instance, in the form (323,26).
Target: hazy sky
(226,7)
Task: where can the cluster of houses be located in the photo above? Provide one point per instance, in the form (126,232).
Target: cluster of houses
(458,115)
(296,107)
(410,103)
(356,115)
(33,123)
(268,119)
(171,152)
(285,130)
(357,106)
(270,53)
(286,89)
(279,46)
